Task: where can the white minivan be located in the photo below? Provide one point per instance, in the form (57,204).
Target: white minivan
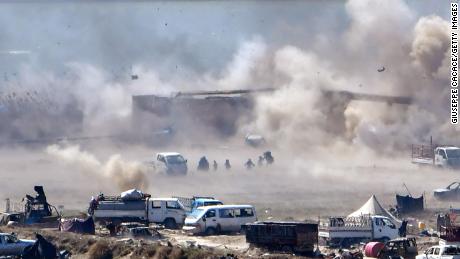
(211,220)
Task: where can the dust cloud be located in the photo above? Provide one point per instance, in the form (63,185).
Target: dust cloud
(125,174)
(331,153)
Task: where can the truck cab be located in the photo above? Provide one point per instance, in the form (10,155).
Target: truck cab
(383,228)
(168,211)
(10,245)
(447,157)
(170,163)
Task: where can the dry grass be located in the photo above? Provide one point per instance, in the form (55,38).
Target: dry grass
(100,250)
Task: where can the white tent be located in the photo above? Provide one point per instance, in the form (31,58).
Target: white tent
(373,207)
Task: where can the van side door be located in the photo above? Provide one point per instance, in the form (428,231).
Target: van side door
(227,219)
(211,219)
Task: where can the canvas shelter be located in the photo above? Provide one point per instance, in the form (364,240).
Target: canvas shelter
(373,207)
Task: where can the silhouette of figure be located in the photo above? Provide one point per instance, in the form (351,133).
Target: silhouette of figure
(249,164)
(260,162)
(203,164)
(227,164)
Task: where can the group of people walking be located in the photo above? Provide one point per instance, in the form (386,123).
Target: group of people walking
(266,158)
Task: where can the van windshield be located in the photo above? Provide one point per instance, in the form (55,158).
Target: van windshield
(177,159)
(197,213)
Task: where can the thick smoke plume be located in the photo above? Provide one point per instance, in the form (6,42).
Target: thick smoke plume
(125,174)
(94,96)
(414,53)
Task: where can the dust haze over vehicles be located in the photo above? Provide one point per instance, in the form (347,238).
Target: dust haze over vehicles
(323,142)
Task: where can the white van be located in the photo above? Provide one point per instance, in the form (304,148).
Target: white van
(171,163)
(211,220)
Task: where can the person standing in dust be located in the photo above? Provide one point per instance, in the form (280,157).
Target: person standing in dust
(249,164)
(268,157)
(260,162)
(203,164)
(214,165)
(227,164)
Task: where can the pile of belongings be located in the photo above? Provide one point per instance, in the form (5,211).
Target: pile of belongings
(82,226)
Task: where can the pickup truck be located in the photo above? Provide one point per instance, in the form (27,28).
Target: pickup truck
(441,252)
(10,245)
(113,209)
(439,156)
(345,231)
(170,163)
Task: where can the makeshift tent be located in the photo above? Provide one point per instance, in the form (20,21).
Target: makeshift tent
(42,249)
(78,226)
(408,204)
(373,207)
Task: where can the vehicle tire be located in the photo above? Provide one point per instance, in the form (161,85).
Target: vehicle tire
(210,231)
(170,223)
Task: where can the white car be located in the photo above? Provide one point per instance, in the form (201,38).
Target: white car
(171,163)
(212,220)
(441,251)
(10,245)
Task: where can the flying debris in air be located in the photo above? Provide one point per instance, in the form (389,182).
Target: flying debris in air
(381,69)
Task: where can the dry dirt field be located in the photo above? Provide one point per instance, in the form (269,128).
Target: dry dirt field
(298,186)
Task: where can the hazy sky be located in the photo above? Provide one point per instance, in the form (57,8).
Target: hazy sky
(198,35)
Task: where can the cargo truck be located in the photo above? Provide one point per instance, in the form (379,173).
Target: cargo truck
(116,210)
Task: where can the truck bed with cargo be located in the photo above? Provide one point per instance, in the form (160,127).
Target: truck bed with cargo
(115,210)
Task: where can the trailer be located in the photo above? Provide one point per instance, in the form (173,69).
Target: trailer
(285,236)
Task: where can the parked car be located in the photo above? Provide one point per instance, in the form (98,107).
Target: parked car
(451,192)
(441,251)
(10,245)
(212,220)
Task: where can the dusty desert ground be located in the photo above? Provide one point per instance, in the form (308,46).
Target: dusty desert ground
(298,186)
